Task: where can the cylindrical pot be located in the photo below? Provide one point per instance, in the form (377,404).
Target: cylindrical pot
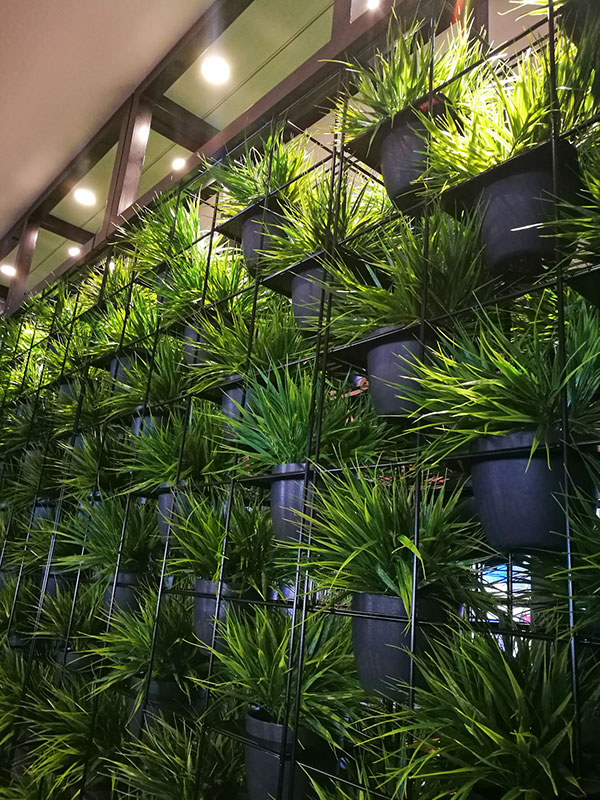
(256,232)
(125,591)
(381,646)
(232,399)
(516,200)
(403,161)
(74,660)
(263,760)
(205,610)
(519,500)
(166,697)
(57,580)
(193,353)
(307,293)
(390,371)
(287,502)
(166,505)
(144,423)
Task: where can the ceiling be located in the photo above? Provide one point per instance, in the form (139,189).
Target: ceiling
(65,67)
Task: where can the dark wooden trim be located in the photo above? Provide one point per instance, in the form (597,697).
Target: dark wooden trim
(27,243)
(66,229)
(180,125)
(129,161)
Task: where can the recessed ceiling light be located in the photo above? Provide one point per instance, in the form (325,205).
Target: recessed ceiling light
(8,269)
(85,197)
(178,163)
(111,266)
(215,70)
(372,5)
(74,251)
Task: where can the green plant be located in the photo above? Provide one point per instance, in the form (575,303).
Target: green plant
(453,271)
(256,663)
(18,600)
(128,317)
(496,723)
(88,461)
(61,619)
(106,278)
(127,645)
(363,530)
(199,529)
(153,456)
(225,339)
(353,208)
(259,171)
(506,113)
(96,528)
(77,733)
(165,763)
(400,76)
(273,428)
(80,401)
(504,377)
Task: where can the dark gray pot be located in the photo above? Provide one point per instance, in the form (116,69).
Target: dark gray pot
(125,591)
(382,647)
(287,500)
(390,370)
(166,511)
(205,610)
(263,760)
(193,352)
(231,400)
(403,161)
(58,580)
(518,501)
(307,296)
(256,230)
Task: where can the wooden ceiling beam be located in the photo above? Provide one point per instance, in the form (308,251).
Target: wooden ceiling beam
(65,229)
(180,125)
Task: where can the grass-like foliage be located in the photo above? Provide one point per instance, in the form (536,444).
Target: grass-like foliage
(124,319)
(225,340)
(273,427)
(248,178)
(506,113)
(127,644)
(87,464)
(255,664)
(400,75)
(81,403)
(363,531)
(354,208)
(454,275)
(506,377)
(96,528)
(153,456)
(75,732)
(59,618)
(496,723)
(164,764)
(199,529)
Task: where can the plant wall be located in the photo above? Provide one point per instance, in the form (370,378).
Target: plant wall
(304,505)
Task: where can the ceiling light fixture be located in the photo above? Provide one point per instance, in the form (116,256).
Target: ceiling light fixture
(85,197)
(215,70)
(178,164)
(74,251)
(372,5)
(8,269)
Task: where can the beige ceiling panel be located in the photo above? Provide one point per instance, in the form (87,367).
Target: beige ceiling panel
(160,154)
(264,45)
(50,252)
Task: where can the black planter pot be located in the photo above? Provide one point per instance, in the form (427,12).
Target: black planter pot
(57,580)
(389,370)
(125,591)
(256,231)
(263,761)
(381,647)
(231,399)
(287,501)
(205,610)
(519,502)
(74,661)
(193,353)
(403,160)
(166,697)
(307,294)
(144,423)
(516,198)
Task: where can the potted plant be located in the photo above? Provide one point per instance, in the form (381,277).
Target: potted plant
(362,544)
(381,321)
(495,723)
(250,181)
(501,148)
(378,111)
(165,763)
(76,733)
(273,434)
(241,556)
(308,237)
(127,650)
(254,669)
(96,530)
(87,463)
(495,391)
